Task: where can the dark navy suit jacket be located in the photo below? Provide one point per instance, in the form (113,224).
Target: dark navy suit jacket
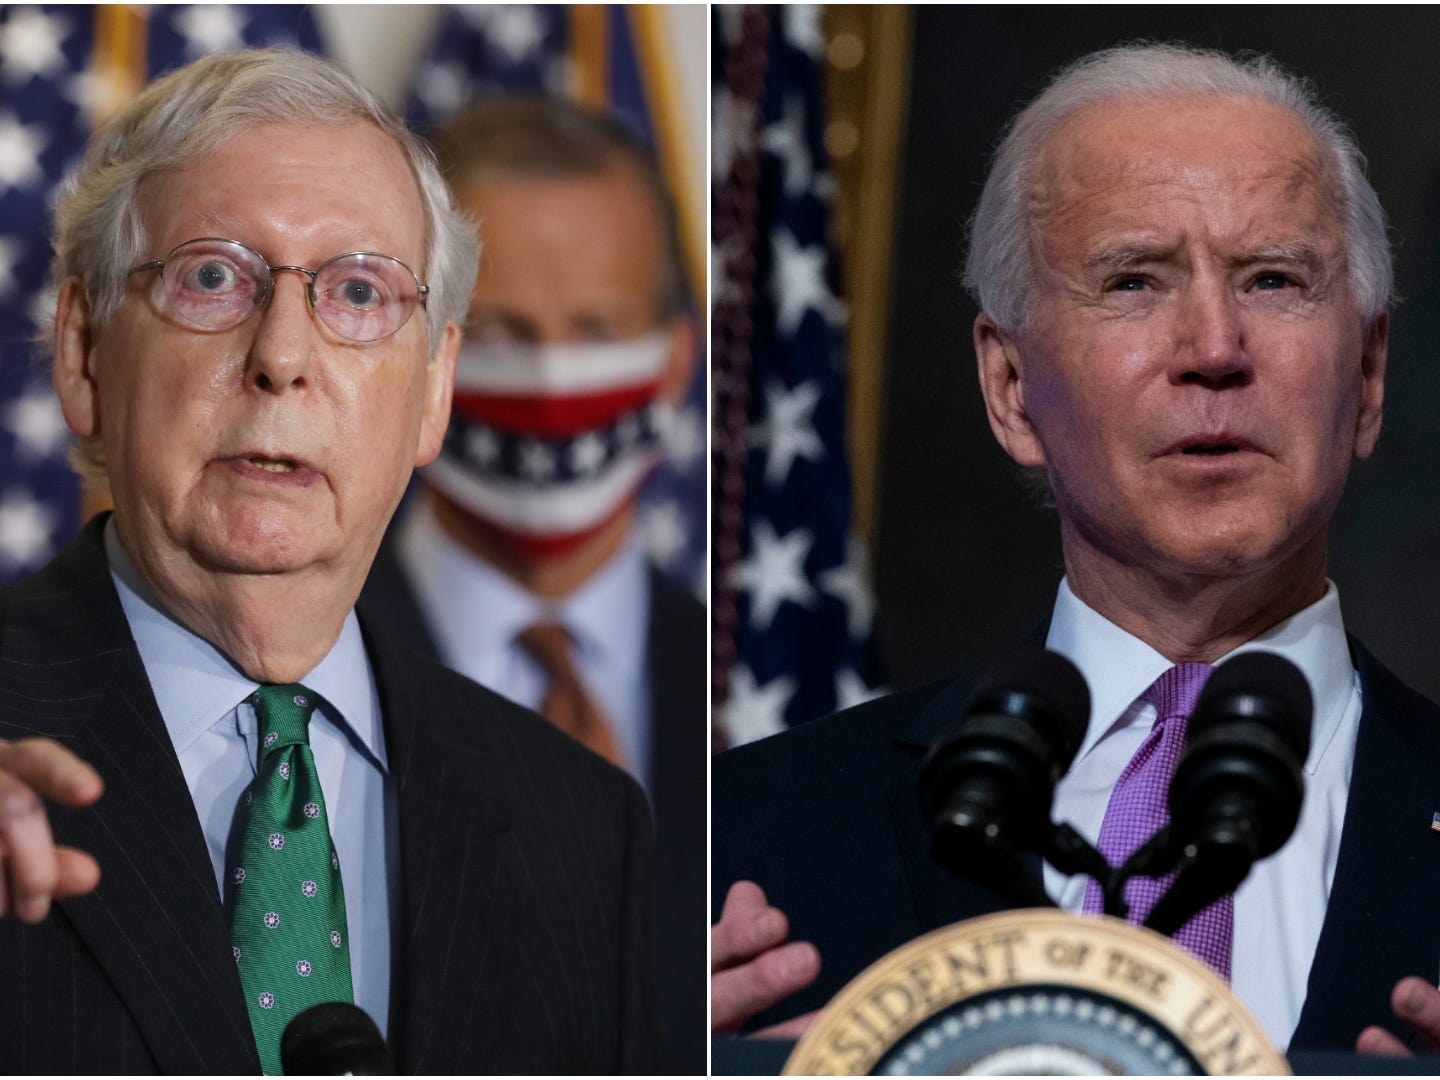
(679,753)
(826,819)
(521,940)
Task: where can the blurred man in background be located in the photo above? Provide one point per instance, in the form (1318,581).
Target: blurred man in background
(520,564)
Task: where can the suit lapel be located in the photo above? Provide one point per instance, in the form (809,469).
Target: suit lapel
(1379,922)
(155,924)
(450,960)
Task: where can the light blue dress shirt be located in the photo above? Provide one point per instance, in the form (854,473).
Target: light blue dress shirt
(476,613)
(202,699)
(1280,906)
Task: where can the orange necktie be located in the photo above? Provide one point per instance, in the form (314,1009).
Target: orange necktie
(566,704)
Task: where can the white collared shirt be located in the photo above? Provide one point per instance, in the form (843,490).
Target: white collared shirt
(1280,907)
(202,698)
(476,613)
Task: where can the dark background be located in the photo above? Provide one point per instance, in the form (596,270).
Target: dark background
(966,564)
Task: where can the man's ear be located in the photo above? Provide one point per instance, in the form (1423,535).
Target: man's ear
(679,360)
(439,387)
(1372,386)
(74,381)
(1002,383)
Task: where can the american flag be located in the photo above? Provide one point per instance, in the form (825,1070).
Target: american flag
(605,56)
(58,69)
(792,608)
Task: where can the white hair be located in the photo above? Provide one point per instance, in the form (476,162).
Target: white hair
(188,115)
(999,271)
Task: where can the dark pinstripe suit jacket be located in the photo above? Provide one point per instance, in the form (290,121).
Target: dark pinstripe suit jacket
(521,940)
(679,756)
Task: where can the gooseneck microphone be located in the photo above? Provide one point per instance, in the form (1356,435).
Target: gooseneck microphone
(334,1038)
(988,781)
(1237,789)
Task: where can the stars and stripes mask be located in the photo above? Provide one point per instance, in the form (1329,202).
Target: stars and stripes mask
(547,443)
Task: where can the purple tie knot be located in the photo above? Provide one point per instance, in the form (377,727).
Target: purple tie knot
(1175,692)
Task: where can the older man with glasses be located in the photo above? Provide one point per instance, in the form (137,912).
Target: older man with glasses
(260,280)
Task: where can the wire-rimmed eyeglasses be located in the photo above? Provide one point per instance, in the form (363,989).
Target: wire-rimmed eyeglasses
(213,284)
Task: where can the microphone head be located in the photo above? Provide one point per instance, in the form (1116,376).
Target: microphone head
(988,780)
(334,1038)
(1059,699)
(1264,687)
(1239,782)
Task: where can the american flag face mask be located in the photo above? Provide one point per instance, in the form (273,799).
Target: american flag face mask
(546,444)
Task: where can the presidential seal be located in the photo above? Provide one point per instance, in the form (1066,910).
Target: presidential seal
(1040,991)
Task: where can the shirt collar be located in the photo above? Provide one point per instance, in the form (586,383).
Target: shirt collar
(1118,667)
(479,604)
(195,684)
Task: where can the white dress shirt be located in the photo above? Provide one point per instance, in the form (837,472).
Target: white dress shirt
(1280,907)
(476,613)
(203,700)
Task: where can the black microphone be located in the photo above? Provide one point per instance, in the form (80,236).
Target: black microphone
(1237,789)
(334,1038)
(988,781)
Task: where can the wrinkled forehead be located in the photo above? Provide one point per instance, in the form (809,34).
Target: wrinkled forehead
(1127,159)
(314,188)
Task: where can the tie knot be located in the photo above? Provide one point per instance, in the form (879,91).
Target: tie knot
(284,712)
(550,645)
(1174,693)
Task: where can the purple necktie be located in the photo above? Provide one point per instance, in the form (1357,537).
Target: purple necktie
(1138,809)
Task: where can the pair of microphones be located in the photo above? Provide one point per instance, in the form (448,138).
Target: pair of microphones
(987,785)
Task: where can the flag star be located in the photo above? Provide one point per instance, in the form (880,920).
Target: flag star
(753,712)
(786,140)
(20,148)
(848,583)
(481,446)
(587,453)
(37,423)
(209,28)
(802,28)
(774,572)
(627,432)
(41,309)
(86,89)
(799,283)
(30,45)
(788,431)
(441,86)
(11,248)
(536,461)
(684,438)
(663,528)
(516,30)
(26,527)
(850,690)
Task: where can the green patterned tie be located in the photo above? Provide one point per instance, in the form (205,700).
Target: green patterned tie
(287,906)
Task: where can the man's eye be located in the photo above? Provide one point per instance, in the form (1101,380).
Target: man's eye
(212,276)
(359,293)
(1272,280)
(1128,283)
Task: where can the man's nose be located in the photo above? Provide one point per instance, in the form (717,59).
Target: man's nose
(1211,348)
(282,353)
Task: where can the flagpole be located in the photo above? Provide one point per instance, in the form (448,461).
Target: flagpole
(662,94)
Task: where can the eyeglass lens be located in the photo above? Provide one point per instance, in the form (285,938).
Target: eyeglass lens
(361,297)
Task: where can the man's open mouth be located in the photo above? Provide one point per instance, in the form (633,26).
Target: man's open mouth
(1212,449)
